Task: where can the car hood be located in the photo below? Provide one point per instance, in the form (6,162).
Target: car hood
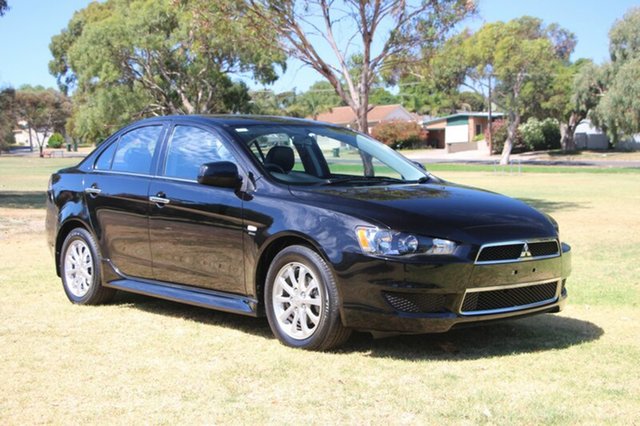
(441,209)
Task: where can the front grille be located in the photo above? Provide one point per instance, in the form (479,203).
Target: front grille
(509,299)
(517,250)
(506,252)
(415,303)
(544,248)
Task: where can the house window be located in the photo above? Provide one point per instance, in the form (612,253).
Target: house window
(478,129)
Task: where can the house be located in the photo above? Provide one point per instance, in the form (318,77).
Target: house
(456,132)
(587,136)
(344,116)
(21,135)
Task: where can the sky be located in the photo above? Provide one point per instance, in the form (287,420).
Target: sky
(27,28)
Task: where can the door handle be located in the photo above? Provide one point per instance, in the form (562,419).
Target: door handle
(93,190)
(159,199)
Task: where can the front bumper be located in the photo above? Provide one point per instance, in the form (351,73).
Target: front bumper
(419,298)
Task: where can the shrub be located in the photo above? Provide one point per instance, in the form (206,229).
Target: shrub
(399,134)
(551,130)
(500,137)
(55,141)
(540,135)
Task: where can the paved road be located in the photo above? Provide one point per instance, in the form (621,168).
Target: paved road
(477,157)
(583,163)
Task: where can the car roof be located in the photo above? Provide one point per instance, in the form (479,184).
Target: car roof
(237,120)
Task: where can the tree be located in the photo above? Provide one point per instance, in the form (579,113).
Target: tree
(3,7)
(618,111)
(43,111)
(7,117)
(574,92)
(127,59)
(320,97)
(385,34)
(516,59)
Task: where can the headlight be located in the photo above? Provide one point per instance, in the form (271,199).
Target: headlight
(392,243)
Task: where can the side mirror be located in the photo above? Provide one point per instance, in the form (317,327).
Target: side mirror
(223,174)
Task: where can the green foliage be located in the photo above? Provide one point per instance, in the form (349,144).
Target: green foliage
(539,135)
(7,117)
(55,141)
(381,96)
(618,109)
(320,97)
(499,130)
(43,110)
(399,134)
(127,59)
(624,37)
(517,59)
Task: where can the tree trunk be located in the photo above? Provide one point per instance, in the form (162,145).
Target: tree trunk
(567,133)
(30,139)
(362,121)
(512,128)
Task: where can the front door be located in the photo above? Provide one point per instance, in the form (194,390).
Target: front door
(195,230)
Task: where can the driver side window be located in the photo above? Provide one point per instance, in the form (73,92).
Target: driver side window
(189,148)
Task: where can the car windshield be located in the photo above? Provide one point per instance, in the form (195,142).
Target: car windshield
(324,155)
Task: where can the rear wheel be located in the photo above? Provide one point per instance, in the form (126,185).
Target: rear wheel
(303,302)
(80,267)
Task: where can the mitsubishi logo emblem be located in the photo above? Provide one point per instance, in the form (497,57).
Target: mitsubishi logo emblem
(525,251)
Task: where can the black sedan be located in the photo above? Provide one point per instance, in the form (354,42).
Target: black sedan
(320,228)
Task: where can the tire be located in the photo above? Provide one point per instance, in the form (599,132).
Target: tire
(80,269)
(302,301)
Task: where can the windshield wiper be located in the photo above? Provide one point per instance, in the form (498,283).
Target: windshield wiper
(362,179)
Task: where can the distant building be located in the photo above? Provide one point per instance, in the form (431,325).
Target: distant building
(344,116)
(456,132)
(21,134)
(587,136)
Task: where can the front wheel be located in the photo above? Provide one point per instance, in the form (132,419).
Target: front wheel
(303,302)
(80,269)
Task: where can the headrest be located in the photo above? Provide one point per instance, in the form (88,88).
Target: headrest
(281,156)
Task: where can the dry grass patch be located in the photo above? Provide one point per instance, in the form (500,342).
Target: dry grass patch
(145,360)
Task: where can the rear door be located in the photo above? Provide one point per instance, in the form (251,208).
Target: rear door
(195,230)
(116,192)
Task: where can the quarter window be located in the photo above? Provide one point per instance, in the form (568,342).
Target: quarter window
(189,148)
(135,150)
(104,161)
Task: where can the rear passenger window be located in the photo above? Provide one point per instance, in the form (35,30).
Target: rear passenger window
(189,148)
(135,150)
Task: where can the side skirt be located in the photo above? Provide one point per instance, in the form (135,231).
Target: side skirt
(189,295)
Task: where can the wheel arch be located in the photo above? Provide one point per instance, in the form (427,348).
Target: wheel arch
(270,249)
(68,226)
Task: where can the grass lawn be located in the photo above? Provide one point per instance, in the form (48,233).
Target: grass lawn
(145,360)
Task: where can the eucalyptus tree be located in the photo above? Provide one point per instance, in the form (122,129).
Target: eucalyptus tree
(618,109)
(385,34)
(125,59)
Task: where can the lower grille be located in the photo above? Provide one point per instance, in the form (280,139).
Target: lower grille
(415,303)
(509,299)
